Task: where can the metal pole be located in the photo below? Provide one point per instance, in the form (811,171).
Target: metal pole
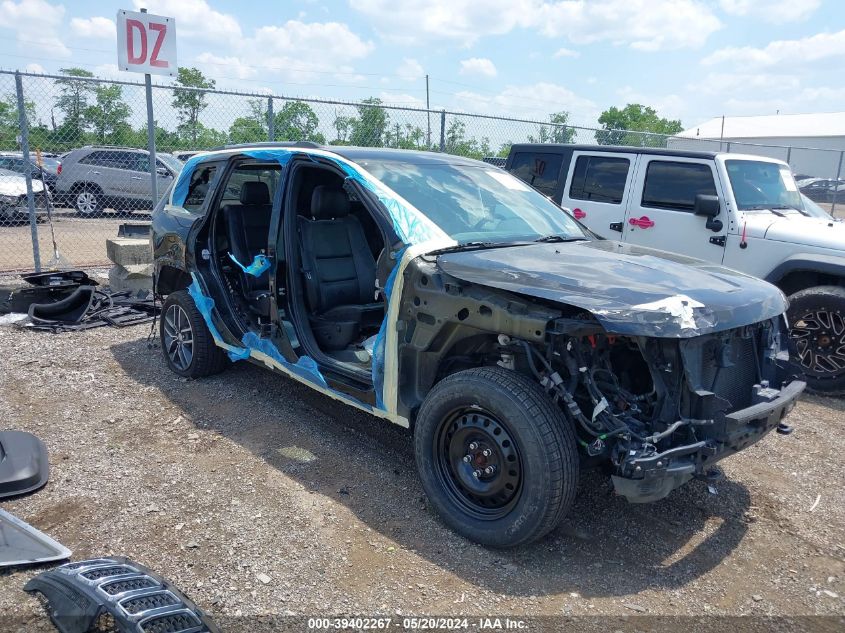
(427,115)
(30,197)
(838,176)
(443,130)
(722,133)
(151,136)
(789,155)
(271,121)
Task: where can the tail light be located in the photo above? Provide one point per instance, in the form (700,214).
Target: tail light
(59,169)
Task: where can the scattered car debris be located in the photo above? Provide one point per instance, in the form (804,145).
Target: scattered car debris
(118,309)
(43,288)
(24,466)
(22,544)
(816,502)
(128,595)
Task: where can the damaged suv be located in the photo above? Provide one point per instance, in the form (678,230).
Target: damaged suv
(448,297)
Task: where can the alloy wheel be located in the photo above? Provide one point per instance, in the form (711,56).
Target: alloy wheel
(819,339)
(86,202)
(178,338)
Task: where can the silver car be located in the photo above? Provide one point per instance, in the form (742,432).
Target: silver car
(14,207)
(97,178)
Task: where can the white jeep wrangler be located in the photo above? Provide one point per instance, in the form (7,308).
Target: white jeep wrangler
(740,211)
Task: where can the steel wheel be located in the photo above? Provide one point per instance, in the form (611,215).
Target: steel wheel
(178,337)
(819,338)
(478,463)
(87,202)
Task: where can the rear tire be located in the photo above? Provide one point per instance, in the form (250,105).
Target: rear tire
(188,346)
(817,338)
(490,416)
(88,201)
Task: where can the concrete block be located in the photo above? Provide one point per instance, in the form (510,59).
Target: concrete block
(132,277)
(129,251)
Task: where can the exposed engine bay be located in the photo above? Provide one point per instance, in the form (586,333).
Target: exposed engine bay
(661,411)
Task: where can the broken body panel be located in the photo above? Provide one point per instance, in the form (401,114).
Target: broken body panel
(663,364)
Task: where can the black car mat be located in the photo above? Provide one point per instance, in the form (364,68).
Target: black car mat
(24,465)
(22,544)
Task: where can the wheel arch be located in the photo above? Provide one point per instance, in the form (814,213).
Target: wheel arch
(803,271)
(170,279)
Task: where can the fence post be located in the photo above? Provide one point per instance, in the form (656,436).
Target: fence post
(30,197)
(271,121)
(443,130)
(838,176)
(789,155)
(151,135)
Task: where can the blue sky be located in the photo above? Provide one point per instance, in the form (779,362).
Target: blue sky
(691,59)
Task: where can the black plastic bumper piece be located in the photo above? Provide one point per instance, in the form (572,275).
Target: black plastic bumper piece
(24,466)
(127,596)
(654,476)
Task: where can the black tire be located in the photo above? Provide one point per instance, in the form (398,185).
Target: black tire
(538,440)
(817,338)
(205,357)
(88,201)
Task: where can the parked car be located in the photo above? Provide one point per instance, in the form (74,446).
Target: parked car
(47,173)
(446,296)
(728,209)
(815,211)
(95,178)
(824,189)
(183,156)
(14,206)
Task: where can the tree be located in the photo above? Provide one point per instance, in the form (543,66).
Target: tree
(559,132)
(368,130)
(343,128)
(297,121)
(407,137)
(108,118)
(251,128)
(189,103)
(619,127)
(458,143)
(73,101)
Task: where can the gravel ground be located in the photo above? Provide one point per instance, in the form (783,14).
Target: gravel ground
(219,482)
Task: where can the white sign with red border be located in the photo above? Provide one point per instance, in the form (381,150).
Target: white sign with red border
(146,43)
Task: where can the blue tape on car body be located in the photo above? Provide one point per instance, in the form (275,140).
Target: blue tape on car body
(260,264)
(305,367)
(205,305)
(377,360)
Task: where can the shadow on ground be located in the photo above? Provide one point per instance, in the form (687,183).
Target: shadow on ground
(605,547)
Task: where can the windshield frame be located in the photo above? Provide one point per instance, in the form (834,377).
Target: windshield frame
(767,205)
(170,161)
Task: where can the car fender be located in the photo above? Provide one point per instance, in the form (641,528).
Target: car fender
(808,262)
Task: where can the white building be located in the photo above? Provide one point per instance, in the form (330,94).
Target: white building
(817,141)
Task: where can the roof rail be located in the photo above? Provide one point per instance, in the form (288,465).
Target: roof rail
(308,144)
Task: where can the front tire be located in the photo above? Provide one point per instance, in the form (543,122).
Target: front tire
(817,337)
(188,346)
(497,458)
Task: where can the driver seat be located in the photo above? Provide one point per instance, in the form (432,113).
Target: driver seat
(338,269)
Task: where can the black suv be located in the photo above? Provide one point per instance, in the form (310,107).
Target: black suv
(448,297)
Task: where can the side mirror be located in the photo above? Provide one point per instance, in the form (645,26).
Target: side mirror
(708,206)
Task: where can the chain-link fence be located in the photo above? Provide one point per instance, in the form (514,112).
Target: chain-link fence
(90,170)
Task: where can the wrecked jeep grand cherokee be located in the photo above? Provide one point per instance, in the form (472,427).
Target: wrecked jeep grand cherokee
(446,296)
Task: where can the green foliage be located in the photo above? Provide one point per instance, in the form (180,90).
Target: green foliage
(458,143)
(405,137)
(190,103)
(297,121)
(558,133)
(369,129)
(619,127)
(108,118)
(72,102)
(251,128)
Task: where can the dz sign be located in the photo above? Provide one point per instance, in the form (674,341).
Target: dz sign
(146,43)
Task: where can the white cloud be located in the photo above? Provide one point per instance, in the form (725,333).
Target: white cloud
(95,27)
(566,52)
(465,21)
(401,99)
(670,106)
(775,11)
(226,66)
(410,70)
(530,101)
(36,24)
(196,19)
(782,53)
(478,66)
(641,24)
(35,68)
(647,25)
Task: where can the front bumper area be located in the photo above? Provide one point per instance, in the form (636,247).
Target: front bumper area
(652,477)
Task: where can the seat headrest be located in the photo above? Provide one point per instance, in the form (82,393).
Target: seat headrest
(255,192)
(329,202)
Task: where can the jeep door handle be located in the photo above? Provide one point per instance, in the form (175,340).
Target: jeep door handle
(644,222)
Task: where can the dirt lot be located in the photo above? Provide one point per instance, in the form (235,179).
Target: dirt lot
(215,482)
